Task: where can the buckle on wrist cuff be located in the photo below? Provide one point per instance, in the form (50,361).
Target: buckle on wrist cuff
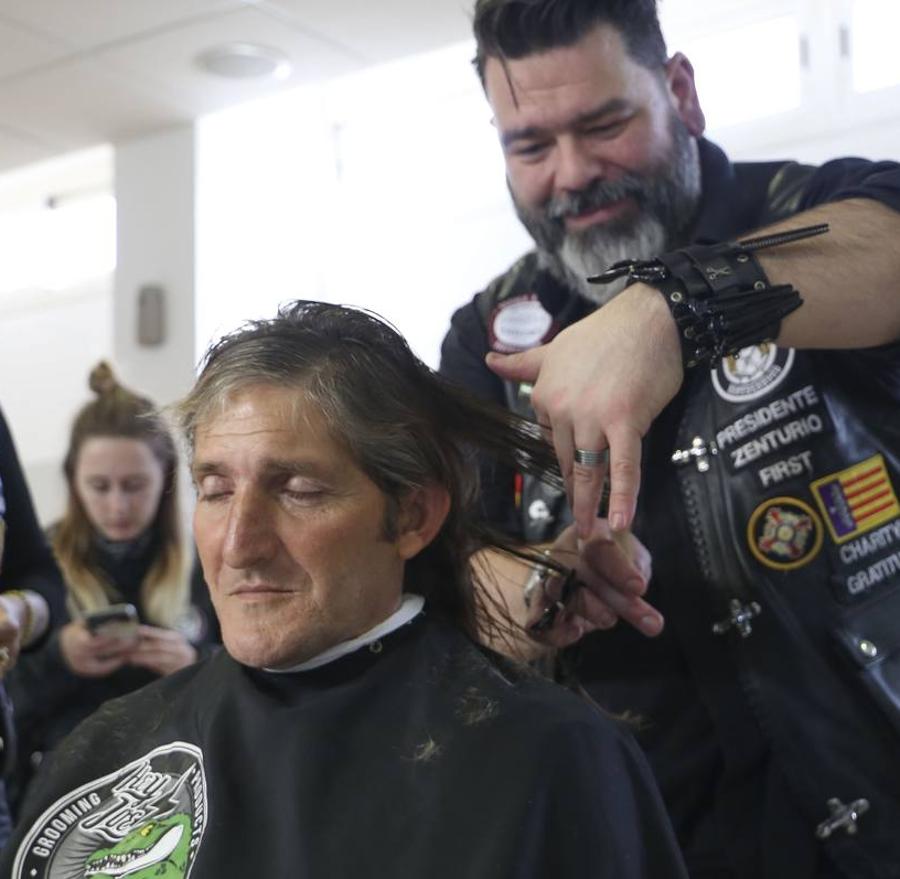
(719,295)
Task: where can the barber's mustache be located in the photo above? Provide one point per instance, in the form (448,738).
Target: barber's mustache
(596,195)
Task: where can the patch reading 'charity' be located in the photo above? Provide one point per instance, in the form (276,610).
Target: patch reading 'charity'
(752,372)
(144,821)
(784,533)
(518,324)
(857,499)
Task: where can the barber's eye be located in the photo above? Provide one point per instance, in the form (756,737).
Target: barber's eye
(530,150)
(606,129)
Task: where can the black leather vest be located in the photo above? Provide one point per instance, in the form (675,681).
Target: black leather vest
(783,475)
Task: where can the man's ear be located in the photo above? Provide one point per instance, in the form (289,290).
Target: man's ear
(422,513)
(680,79)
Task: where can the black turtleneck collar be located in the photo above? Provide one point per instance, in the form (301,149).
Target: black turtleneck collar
(126,562)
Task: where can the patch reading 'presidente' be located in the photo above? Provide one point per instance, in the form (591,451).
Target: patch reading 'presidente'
(857,499)
(752,372)
(784,533)
(144,821)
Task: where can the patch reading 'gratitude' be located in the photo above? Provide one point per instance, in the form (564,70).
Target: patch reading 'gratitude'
(784,533)
(752,372)
(856,500)
(144,821)
(518,324)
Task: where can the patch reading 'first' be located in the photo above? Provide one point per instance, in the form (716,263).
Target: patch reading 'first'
(518,324)
(784,533)
(857,499)
(144,821)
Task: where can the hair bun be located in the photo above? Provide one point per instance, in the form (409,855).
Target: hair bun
(102,380)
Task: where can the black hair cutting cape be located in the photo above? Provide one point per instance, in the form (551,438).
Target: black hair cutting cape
(419,756)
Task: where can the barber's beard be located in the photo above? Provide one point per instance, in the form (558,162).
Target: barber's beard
(666,199)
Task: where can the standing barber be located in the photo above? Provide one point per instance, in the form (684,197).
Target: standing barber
(769,704)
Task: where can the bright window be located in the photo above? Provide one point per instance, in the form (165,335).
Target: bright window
(384,190)
(874,27)
(748,72)
(58,248)
(58,223)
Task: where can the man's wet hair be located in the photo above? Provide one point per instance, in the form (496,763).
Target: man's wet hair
(404,426)
(513,29)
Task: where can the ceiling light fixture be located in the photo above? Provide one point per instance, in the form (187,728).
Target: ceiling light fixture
(245,61)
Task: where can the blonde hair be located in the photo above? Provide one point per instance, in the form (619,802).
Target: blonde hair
(164,594)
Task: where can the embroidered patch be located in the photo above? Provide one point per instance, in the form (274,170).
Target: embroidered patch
(518,324)
(883,571)
(784,533)
(773,430)
(752,372)
(856,500)
(144,820)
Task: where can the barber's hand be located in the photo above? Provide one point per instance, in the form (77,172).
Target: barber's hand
(162,651)
(89,655)
(614,570)
(598,384)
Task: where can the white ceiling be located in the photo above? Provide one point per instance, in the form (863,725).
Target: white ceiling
(74,73)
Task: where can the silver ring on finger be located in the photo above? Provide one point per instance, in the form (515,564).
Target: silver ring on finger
(590,458)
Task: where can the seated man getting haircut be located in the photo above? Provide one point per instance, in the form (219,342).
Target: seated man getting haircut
(351,727)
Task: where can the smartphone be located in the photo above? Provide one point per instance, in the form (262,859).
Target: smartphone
(116,621)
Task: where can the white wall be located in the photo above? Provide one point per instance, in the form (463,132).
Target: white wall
(155,215)
(384,190)
(50,338)
(48,344)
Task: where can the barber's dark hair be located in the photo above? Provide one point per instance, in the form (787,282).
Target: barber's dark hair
(511,29)
(404,425)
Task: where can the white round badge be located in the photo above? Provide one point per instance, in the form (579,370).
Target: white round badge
(752,372)
(519,324)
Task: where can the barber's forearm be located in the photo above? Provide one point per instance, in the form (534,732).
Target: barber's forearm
(849,278)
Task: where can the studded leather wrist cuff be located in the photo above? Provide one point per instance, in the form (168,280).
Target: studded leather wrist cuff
(719,296)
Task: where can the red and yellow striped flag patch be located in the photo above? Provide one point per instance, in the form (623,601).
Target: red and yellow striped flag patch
(857,499)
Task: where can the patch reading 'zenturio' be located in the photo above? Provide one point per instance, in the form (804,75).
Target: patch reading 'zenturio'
(145,821)
(857,499)
(784,533)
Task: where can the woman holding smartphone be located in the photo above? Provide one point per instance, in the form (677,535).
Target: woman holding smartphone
(132,614)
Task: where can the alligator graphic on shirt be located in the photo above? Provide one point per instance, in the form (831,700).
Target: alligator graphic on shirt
(156,850)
